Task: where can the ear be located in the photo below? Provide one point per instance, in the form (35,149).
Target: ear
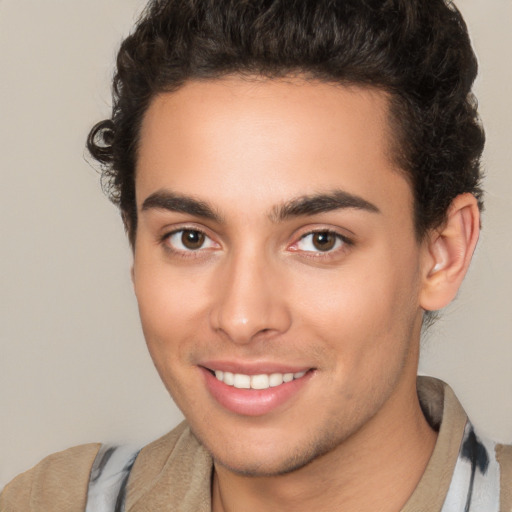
(448,253)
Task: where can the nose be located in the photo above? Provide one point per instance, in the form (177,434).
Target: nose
(251,301)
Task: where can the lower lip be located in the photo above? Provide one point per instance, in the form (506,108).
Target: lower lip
(253,402)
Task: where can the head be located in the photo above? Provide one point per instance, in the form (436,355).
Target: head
(418,52)
(291,179)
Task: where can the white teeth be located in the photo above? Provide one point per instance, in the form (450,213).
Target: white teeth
(242,381)
(261,381)
(276,379)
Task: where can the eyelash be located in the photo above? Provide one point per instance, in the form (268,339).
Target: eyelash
(191,253)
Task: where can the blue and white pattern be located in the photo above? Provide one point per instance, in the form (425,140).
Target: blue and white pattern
(475,485)
(109,478)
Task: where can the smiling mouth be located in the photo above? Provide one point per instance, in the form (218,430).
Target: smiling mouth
(261,381)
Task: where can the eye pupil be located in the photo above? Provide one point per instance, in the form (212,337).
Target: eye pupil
(324,241)
(192,239)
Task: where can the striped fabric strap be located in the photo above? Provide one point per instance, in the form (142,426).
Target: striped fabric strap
(109,477)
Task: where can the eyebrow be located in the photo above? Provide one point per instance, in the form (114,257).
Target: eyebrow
(301,206)
(321,203)
(165,200)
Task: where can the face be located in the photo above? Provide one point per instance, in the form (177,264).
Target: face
(276,266)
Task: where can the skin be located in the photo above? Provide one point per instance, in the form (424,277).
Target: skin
(259,291)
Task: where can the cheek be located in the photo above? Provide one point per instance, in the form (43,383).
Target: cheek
(170,304)
(166,292)
(167,313)
(364,312)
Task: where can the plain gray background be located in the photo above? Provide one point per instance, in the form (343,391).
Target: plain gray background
(73,364)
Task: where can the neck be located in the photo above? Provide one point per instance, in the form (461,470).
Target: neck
(377,468)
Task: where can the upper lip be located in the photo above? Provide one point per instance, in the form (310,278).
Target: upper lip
(253,368)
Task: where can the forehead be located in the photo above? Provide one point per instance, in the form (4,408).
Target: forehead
(265,140)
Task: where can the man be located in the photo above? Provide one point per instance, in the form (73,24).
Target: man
(300,185)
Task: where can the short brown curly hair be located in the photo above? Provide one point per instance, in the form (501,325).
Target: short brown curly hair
(418,51)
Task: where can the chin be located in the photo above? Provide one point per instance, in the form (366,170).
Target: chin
(269,461)
(266,468)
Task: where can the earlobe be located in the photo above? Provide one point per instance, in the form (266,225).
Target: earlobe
(448,253)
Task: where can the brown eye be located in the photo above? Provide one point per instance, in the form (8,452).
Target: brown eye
(324,240)
(191,239)
(321,241)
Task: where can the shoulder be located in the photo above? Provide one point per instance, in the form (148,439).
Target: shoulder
(58,483)
(171,473)
(61,482)
(504,456)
